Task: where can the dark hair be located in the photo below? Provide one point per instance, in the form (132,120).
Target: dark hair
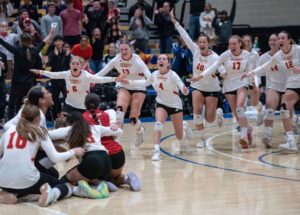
(34,95)
(92,102)
(204,35)
(80,130)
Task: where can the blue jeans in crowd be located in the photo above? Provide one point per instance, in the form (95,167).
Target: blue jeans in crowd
(95,65)
(166,45)
(194,26)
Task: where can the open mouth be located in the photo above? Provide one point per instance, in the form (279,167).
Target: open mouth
(160,65)
(75,70)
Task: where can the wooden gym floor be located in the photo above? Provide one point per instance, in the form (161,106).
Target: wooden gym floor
(219,179)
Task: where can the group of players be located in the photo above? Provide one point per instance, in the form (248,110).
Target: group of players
(92,134)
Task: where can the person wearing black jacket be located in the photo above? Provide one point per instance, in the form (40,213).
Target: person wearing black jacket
(165,28)
(144,6)
(58,60)
(3,70)
(223,28)
(26,57)
(196,8)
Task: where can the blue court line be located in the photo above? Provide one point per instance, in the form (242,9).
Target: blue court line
(220,168)
(261,159)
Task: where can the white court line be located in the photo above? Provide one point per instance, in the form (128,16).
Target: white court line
(210,147)
(51,211)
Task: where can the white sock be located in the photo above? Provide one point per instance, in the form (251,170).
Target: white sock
(77,192)
(56,192)
(156,147)
(268,131)
(244,131)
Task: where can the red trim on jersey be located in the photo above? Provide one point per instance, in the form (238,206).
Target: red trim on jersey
(112,146)
(128,59)
(75,75)
(238,54)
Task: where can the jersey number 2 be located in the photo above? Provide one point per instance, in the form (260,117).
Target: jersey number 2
(20,143)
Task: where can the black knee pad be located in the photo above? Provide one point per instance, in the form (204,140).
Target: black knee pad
(119,108)
(132,121)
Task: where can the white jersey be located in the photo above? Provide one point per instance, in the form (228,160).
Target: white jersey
(14,121)
(17,169)
(134,69)
(77,87)
(254,56)
(235,66)
(209,83)
(287,62)
(275,76)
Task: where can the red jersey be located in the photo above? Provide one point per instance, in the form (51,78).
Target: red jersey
(112,146)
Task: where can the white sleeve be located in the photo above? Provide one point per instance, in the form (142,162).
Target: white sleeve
(60,133)
(55,75)
(108,67)
(10,9)
(100,80)
(106,131)
(210,70)
(51,152)
(186,38)
(1,146)
(201,20)
(179,82)
(266,66)
(13,122)
(144,68)
(112,115)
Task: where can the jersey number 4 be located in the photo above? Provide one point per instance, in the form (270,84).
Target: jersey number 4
(20,143)
(161,86)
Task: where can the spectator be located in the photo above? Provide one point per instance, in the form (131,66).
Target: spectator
(98,47)
(19,25)
(78,5)
(60,6)
(113,32)
(28,27)
(160,3)
(32,10)
(10,38)
(206,19)
(71,19)
(139,30)
(112,52)
(3,70)
(6,10)
(223,27)
(50,21)
(59,60)
(182,61)
(96,18)
(26,57)
(165,28)
(144,6)
(83,49)
(196,8)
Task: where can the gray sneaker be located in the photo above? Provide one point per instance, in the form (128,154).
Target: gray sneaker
(133,181)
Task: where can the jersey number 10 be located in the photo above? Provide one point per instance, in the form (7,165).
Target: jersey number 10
(20,143)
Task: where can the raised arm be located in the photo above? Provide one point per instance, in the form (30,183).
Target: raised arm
(232,12)
(185,36)
(52,75)
(9,47)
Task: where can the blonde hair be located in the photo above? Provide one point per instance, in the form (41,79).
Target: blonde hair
(26,126)
(79,59)
(240,40)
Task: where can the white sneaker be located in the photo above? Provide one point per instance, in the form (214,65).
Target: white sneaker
(260,119)
(47,195)
(156,155)
(201,143)
(188,130)
(140,137)
(220,117)
(175,147)
(289,146)
(267,141)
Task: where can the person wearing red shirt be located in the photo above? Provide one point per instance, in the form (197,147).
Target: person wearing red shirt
(83,49)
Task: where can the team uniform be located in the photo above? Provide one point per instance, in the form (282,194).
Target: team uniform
(235,66)
(208,85)
(77,87)
(26,179)
(134,69)
(254,56)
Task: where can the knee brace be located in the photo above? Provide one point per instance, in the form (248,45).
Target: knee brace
(158,126)
(284,113)
(198,119)
(240,112)
(269,114)
(119,108)
(259,106)
(135,122)
(132,121)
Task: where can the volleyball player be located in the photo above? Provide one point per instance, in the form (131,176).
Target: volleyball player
(167,84)
(77,83)
(254,90)
(288,58)
(206,90)
(18,147)
(236,61)
(130,65)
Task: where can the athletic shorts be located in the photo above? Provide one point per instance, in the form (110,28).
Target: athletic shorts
(234,92)
(117,160)
(95,165)
(296,90)
(133,91)
(169,110)
(208,94)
